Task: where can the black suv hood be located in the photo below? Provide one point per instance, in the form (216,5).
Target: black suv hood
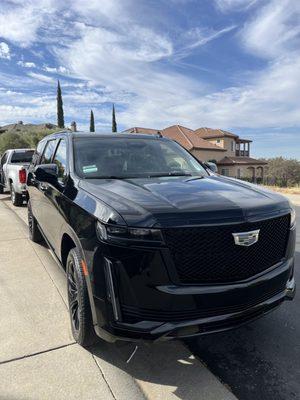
(172,201)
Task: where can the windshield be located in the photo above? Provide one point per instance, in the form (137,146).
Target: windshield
(132,158)
(22,156)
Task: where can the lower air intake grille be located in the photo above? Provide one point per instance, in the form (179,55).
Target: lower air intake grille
(209,254)
(133,314)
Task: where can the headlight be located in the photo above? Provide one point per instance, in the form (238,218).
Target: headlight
(293,217)
(115,232)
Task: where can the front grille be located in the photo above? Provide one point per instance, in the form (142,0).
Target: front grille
(209,254)
(133,314)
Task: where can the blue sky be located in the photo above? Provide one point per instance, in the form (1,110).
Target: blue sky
(230,64)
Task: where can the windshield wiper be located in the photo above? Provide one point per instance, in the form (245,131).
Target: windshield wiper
(158,175)
(108,177)
(170,174)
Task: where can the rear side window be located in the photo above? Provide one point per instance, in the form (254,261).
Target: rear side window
(48,152)
(60,159)
(38,152)
(21,157)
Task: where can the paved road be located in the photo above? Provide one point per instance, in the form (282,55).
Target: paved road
(38,357)
(262,360)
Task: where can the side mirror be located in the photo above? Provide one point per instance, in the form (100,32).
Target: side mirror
(46,173)
(212,166)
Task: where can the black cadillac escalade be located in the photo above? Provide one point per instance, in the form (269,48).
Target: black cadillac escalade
(154,244)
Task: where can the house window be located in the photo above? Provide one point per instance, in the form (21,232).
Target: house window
(238,173)
(225,171)
(232,146)
(218,140)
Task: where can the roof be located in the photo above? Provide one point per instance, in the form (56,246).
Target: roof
(239,140)
(188,138)
(182,135)
(100,134)
(137,129)
(240,161)
(208,133)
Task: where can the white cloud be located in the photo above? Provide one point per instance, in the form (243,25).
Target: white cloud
(137,44)
(275,30)
(26,64)
(19,25)
(41,77)
(5,51)
(159,96)
(25,22)
(198,37)
(56,70)
(108,10)
(234,5)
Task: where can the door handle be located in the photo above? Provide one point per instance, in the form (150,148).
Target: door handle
(44,187)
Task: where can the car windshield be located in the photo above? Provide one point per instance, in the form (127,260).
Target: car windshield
(123,158)
(21,157)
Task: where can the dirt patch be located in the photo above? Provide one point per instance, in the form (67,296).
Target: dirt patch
(288,190)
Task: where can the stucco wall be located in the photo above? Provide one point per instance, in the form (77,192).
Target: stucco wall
(227,146)
(215,141)
(206,155)
(225,143)
(246,171)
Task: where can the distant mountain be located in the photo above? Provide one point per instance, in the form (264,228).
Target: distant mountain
(20,127)
(20,135)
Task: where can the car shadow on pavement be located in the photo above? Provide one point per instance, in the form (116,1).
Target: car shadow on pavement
(160,368)
(5,197)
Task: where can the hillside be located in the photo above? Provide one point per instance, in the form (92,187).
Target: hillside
(21,135)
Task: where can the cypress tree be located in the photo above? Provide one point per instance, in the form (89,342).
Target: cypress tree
(114,122)
(92,122)
(60,110)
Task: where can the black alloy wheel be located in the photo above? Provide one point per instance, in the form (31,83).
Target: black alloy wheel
(79,304)
(34,231)
(73,296)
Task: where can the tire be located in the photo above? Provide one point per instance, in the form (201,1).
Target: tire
(79,304)
(16,198)
(34,232)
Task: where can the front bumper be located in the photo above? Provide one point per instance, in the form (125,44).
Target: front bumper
(136,296)
(219,308)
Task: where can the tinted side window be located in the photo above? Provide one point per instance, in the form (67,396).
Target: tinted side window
(60,159)
(38,152)
(48,152)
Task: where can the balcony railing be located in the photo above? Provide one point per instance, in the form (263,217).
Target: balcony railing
(242,153)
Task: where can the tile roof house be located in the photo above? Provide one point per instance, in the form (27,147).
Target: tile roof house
(236,162)
(230,152)
(199,147)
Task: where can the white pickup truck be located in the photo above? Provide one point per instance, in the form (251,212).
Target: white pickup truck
(13,173)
